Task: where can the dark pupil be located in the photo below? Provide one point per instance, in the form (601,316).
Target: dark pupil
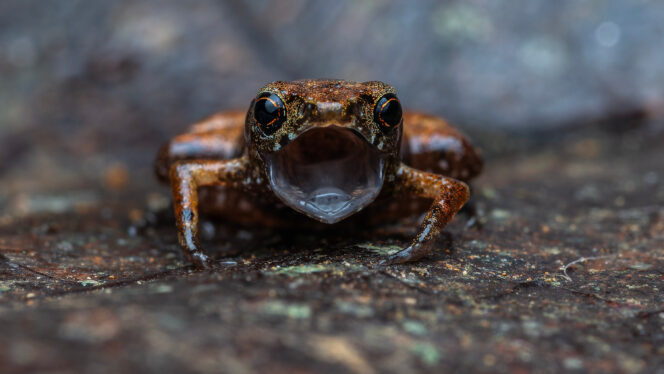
(269,112)
(388,112)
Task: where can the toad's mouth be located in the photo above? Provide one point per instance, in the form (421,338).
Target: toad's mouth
(327,173)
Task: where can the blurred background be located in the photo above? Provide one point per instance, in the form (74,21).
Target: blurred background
(90,89)
(565,98)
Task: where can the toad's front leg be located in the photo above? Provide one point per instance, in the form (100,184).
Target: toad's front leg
(186,178)
(448,196)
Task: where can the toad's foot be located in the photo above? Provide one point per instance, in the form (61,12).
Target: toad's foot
(186,178)
(448,195)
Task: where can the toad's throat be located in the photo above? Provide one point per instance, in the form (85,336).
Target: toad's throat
(327,173)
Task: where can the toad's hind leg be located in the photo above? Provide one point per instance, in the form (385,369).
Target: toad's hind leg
(187,177)
(448,195)
(219,137)
(432,145)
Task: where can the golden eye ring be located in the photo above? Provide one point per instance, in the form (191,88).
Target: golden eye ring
(388,113)
(269,112)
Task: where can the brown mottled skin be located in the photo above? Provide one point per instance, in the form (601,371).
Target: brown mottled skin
(221,157)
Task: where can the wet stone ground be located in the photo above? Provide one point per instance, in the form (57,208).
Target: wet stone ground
(566,274)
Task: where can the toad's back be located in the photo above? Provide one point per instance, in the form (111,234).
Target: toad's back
(429,143)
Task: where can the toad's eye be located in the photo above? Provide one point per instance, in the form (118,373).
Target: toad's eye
(269,112)
(387,113)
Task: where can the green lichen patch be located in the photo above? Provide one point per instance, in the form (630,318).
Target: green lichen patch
(415,327)
(90,283)
(292,310)
(304,269)
(426,352)
(383,250)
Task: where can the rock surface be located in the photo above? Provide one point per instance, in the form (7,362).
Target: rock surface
(565,274)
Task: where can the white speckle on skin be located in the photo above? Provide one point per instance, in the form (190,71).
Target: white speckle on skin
(436,143)
(276,147)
